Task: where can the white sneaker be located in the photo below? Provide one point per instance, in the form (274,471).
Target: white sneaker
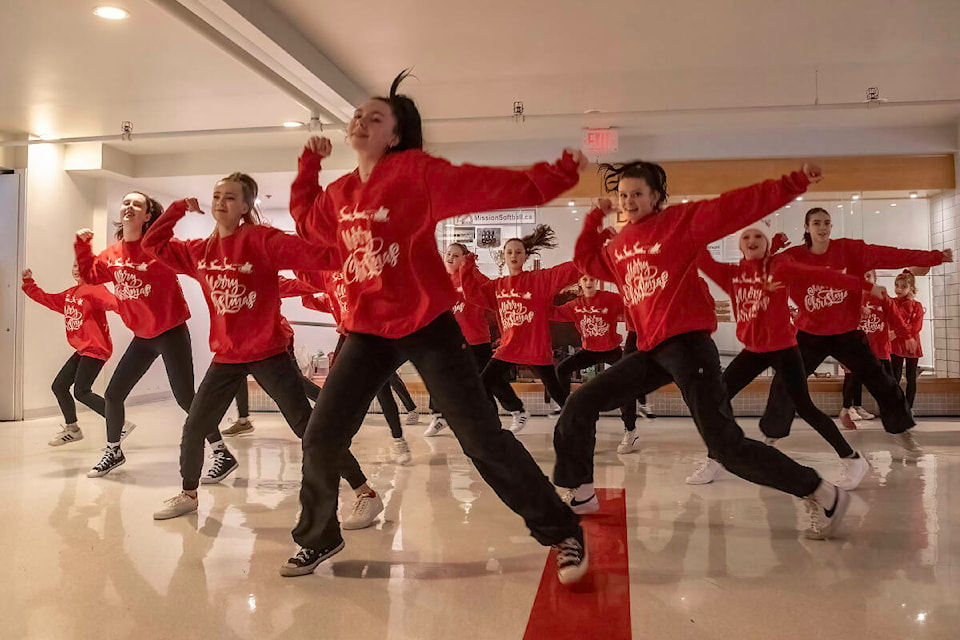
(66,435)
(629,443)
(705,472)
(413,417)
(911,450)
(519,421)
(825,522)
(572,561)
(864,414)
(555,408)
(365,511)
(852,472)
(401,451)
(178,505)
(437,425)
(646,411)
(582,507)
(127,429)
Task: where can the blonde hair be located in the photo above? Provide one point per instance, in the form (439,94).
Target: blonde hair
(909,279)
(250,192)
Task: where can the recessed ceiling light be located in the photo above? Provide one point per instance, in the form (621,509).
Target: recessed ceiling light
(571,203)
(292,124)
(776,214)
(877,211)
(111,13)
(787,207)
(685,200)
(913,194)
(799,198)
(893,204)
(839,206)
(856,196)
(574,211)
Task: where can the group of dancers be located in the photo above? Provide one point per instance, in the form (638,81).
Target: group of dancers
(365,251)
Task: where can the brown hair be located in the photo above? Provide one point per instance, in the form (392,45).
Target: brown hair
(807,240)
(543,237)
(154,209)
(250,191)
(460,246)
(909,278)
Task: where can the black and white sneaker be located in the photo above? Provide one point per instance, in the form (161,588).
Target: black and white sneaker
(572,562)
(127,429)
(112,458)
(223,465)
(646,411)
(67,434)
(581,507)
(307,560)
(825,521)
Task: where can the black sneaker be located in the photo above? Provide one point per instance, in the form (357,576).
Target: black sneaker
(112,458)
(307,560)
(571,559)
(223,465)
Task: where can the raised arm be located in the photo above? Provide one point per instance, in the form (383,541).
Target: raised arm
(720,272)
(307,198)
(293,252)
(293,288)
(588,252)
(878,256)
(456,190)
(52,301)
(478,289)
(160,243)
(93,269)
(561,276)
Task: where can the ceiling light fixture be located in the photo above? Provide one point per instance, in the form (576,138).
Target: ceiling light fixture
(292,124)
(856,196)
(799,198)
(685,200)
(787,207)
(571,204)
(913,194)
(574,211)
(111,13)
(893,204)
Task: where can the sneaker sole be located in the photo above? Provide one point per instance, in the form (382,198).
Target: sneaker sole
(60,443)
(294,572)
(698,482)
(843,503)
(855,482)
(587,508)
(221,477)
(354,526)
(100,474)
(238,433)
(171,516)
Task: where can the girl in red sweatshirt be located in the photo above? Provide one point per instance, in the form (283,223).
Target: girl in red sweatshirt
(84,308)
(523,301)
(151,304)
(879,320)
(381,219)
(475,326)
(237,267)
(828,326)
(759,287)
(906,347)
(653,261)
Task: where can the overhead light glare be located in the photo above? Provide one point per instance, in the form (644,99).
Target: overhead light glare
(292,124)
(111,13)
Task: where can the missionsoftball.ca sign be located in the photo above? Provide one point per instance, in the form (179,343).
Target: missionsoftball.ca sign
(513,216)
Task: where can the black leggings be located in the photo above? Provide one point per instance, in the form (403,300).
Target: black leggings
(787,363)
(853,386)
(912,373)
(583,359)
(174,347)
(439,353)
(310,389)
(692,362)
(481,356)
(384,397)
(396,383)
(79,372)
(853,351)
(280,377)
(494,379)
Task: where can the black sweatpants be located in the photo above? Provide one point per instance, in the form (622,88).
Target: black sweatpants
(396,383)
(583,359)
(280,377)
(481,356)
(692,362)
(853,386)
(853,351)
(78,372)
(439,353)
(174,347)
(391,413)
(788,364)
(896,363)
(310,389)
(494,379)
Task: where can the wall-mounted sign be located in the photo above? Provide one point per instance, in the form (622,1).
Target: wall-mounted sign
(463,235)
(599,141)
(513,216)
(488,237)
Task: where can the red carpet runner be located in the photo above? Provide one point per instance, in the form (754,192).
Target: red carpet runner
(599,605)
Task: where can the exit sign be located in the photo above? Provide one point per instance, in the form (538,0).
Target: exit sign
(599,141)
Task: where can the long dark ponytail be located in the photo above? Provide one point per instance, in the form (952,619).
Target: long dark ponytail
(154,209)
(650,172)
(543,237)
(409,128)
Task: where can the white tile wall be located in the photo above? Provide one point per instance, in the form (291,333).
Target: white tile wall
(944,231)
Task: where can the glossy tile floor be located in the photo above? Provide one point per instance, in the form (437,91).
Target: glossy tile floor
(82,558)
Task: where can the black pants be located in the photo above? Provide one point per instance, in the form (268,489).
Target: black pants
(439,353)
(852,350)
(78,372)
(788,364)
(494,379)
(279,376)
(692,362)
(174,347)
(396,383)
(853,386)
(912,372)
(310,389)
(481,356)
(583,359)
(391,413)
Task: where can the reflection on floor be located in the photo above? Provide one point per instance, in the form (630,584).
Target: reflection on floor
(82,558)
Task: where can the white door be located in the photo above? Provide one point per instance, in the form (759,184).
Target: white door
(11,232)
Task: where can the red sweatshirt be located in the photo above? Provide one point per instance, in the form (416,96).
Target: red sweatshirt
(825,311)
(878,318)
(654,261)
(524,304)
(595,319)
(911,312)
(384,228)
(84,310)
(760,307)
(238,276)
(471,317)
(148,292)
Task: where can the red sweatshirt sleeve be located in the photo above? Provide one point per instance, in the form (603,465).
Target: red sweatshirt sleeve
(478,289)
(293,288)
(101,299)
(588,252)
(803,275)
(321,303)
(92,268)
(895,321)
(293,252)
(455,190)
(159,242)
(306,196)
(915,322)
(877,256)
(561,276)
(710,220)
(52,301)
(719,272)
(563,313)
